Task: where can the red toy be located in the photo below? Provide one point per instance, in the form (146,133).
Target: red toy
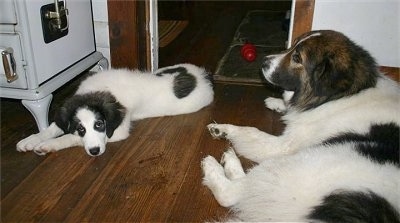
(248,52)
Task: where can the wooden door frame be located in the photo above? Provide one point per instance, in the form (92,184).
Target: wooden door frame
(129,42)
(303,17)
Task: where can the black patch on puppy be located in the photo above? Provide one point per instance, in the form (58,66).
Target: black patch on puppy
(103,104)
(171,71)
(351,206)
(380,144)
(184,82)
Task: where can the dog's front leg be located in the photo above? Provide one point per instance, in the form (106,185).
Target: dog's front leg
(62,142)
(249,141)
(275,104)
(29,143)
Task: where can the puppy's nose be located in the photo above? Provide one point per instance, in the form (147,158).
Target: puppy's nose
(94,151)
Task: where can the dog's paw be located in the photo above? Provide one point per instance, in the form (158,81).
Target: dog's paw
(214,178)
(275,104)
(212,170)
(217,131)
(29,143)
(232,166)
(51,145)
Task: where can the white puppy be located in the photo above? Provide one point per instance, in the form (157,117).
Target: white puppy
(105,103)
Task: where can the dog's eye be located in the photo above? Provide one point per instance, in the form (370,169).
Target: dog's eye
(296,57)
(99,124)
(81,130)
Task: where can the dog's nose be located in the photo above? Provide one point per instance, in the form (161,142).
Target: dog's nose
(94,151)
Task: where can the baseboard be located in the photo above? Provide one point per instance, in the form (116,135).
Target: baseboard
(392,72)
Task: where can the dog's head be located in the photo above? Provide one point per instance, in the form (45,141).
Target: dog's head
(93,117)
(321,66)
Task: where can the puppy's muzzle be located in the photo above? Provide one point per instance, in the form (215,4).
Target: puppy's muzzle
(267,63)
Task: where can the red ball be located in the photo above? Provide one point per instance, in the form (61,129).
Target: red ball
(248,52)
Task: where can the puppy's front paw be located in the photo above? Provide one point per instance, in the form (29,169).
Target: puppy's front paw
(275,104)
(51,145)
(217,131)
(29,143)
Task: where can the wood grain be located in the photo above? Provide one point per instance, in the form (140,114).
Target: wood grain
(127,31)
(303,17)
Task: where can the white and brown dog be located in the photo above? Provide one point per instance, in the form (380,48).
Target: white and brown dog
(105,103)
(338,158)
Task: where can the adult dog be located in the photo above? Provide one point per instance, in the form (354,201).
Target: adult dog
(104,105)
(338,157)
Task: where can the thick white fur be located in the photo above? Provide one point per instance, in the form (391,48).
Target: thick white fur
(286,188)
(278,189)
(143,94)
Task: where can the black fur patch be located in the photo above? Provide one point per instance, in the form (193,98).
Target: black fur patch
(102,103)
(171,71)
(350,207)
(381,144)
(184,82)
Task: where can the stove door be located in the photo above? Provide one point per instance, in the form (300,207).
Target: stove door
(75,41)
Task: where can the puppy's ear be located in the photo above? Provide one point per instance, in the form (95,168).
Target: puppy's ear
(62,119)
(330,77)
(114,114)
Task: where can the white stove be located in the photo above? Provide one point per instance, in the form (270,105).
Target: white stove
(44,44)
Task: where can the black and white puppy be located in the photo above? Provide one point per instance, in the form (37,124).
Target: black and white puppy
(338,157)
(105,103)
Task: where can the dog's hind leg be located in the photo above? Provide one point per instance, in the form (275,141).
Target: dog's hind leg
(232,166)
(249,141)
(226,191)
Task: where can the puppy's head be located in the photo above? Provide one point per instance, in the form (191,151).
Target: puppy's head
(321,66)
(93,117)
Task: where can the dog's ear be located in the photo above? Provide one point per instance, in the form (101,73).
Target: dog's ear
(330,77)
(62,119)
(114,113)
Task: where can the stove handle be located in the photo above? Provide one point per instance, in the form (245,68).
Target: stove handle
(9,65)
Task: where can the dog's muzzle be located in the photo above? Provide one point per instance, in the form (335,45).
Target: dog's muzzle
(266,64)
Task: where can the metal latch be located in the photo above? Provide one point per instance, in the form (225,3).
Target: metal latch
(56,16)
(9,64)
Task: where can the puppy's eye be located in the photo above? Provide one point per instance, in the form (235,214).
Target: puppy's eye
(296,57)
(81,130)
(99,124)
